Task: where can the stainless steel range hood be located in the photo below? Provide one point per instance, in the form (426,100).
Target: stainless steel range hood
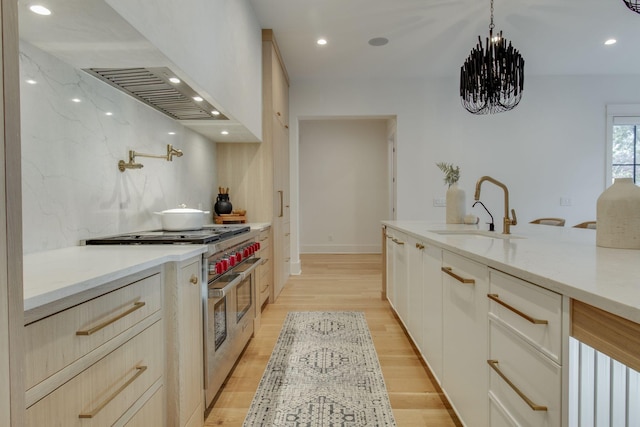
(154,87)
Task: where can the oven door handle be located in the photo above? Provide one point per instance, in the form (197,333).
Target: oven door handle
(220,292)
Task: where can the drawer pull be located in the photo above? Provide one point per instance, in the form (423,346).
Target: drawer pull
(450,272)
(96,410)
(194,279)
(419,246)
(398,242)
(496,298)
(136,306)
(533,406)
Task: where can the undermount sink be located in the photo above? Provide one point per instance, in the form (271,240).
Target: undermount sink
(480,234)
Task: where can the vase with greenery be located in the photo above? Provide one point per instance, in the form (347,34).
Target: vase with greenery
(455,195)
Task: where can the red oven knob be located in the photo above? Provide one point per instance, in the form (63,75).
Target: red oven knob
(225,264)
(219,267)
(245,252)
(238,257)
(257,245)
(232,260)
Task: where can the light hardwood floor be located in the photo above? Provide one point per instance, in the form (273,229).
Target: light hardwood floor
(336,283)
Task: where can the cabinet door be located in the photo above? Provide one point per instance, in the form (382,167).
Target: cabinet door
(400,242)
(465,285)
(190,342)
(415,283)
(432,309)
(281,232)
(391,288)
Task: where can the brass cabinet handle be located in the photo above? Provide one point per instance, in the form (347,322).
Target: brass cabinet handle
(98,408)
(281,193)
(136,306)
(419,246)
(389,236)
(461,279)
(533,406)
(496,298)
(194,279)
(399,242)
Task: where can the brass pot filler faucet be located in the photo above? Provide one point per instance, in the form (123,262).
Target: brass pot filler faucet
(122,165)
(507,222)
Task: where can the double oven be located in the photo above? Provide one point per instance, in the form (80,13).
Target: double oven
(228,290)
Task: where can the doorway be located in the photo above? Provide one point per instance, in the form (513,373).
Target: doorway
(346,183)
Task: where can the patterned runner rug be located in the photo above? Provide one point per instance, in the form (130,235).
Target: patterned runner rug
(323,372)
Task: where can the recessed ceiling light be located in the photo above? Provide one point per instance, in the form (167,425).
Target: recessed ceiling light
(215,112)
(31,81)
(174,80)
(322,42)
(197,99)
(39,9)
(610,42)
(76,100)
(378,41)
(108,113)
(172,133)
(225,132)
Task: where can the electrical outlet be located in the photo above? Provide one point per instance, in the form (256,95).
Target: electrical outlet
(565,201)
(440,202)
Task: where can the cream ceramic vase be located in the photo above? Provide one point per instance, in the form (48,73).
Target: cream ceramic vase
(618,216)
(455,204)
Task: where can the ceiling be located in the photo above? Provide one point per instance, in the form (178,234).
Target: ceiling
(434,37)
(426,38)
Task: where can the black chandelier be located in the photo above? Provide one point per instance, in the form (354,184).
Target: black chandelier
(491,79)
(633,5)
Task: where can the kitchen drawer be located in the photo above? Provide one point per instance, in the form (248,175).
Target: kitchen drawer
(54,342)
(524,305)
(536,376)
(151,414)
(104,391)
(498,414)
(264,239)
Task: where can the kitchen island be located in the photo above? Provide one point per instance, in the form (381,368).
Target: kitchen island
(495,316)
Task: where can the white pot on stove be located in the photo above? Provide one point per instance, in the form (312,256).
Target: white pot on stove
(181,219)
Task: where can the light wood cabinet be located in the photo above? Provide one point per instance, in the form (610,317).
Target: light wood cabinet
(258,174)
(264,274)
(185,376)
(276,129)
(465,375)
(99,362)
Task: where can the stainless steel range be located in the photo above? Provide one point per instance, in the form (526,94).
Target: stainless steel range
(228,290)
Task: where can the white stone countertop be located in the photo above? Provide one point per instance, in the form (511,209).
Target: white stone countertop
(259,225)
(53,275)
(563,259)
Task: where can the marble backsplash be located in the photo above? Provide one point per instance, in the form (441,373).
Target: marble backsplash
(71,186)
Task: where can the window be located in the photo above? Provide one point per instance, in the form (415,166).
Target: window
(623,142)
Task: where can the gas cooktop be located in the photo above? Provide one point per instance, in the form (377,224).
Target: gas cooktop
(208,234)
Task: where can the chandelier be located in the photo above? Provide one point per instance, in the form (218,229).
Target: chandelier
(633,5)
(491,78)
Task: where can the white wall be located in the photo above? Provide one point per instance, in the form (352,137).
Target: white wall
(217,43)
(343,185)
(551,146)
(72,188)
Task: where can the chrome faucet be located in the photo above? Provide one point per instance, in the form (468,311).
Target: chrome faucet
(507,222)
